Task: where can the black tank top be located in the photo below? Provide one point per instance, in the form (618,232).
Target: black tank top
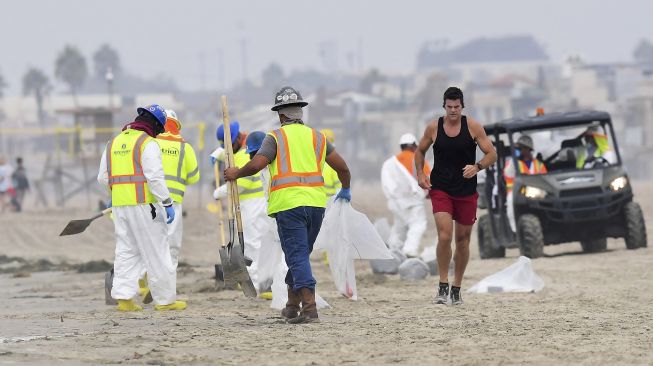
(451,154)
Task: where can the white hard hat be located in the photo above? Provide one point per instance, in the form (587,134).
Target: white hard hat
(407,139)
(172,114)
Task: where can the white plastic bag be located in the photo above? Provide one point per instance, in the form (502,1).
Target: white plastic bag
(382,227)
(413,269)
(347,234)
(518,277)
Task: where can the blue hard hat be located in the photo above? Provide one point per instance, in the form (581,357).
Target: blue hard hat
(156,110)
(254,141)
(234,126)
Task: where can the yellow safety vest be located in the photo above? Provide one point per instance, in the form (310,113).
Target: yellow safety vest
(331,182)
(602,146)
(126,179)
(296,171)
(249,187)
(179,165)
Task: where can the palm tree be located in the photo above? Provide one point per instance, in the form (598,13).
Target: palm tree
(3,85)
(37,83)
(643,53)
(70,67)
(105,58)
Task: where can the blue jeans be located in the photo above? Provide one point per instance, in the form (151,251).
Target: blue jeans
(298,229)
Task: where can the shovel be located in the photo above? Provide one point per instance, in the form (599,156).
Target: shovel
(78,226)
(232,254)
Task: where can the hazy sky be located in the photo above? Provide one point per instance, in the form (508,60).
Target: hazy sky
(168,37)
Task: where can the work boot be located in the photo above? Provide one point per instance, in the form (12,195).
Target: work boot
(128,305)
(291,310)
(309,308)
(177,305)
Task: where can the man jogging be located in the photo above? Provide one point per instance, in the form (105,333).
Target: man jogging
(296,155)
(453,184)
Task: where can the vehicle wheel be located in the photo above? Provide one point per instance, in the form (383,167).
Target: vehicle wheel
(594,246)
(531,239)
(486,244)
(635,226)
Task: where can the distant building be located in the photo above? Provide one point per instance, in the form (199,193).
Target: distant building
(482,50)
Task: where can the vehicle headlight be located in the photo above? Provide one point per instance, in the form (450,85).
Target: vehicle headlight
(533,192)
(619,183)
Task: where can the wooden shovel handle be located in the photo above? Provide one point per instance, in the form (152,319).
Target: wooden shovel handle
(216,173)
(234,199)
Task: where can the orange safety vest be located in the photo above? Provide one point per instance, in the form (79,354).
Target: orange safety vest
(537,167)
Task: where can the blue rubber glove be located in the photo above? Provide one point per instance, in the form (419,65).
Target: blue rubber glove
(109,202)
(212,160)
(345,194)
(170,211)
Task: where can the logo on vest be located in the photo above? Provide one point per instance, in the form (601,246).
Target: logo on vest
(123,151)
(171,151)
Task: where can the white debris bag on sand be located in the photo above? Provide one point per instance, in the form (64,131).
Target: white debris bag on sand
(518,277)
(413,269)
(388,266)
(429,257)
(347,234)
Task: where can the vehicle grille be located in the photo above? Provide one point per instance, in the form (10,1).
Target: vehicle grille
(581,192)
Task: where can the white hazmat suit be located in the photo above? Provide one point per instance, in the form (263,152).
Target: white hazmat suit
(256,222)
(141,240)
(406,202)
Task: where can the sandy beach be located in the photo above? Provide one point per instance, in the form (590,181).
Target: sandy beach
(594,309)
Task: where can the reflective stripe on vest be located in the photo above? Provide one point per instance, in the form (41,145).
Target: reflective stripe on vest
(194,172)
(136,178)
(537,167)
(286,177)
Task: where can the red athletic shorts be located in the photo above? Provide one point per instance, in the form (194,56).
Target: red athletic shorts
(462,209)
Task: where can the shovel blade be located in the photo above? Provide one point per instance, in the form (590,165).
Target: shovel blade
(235,270)
(76,227)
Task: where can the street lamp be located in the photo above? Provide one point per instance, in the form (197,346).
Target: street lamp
(109,78)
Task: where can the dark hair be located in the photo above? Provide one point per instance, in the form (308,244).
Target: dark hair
(453,93)
(19,160)
(406,146)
